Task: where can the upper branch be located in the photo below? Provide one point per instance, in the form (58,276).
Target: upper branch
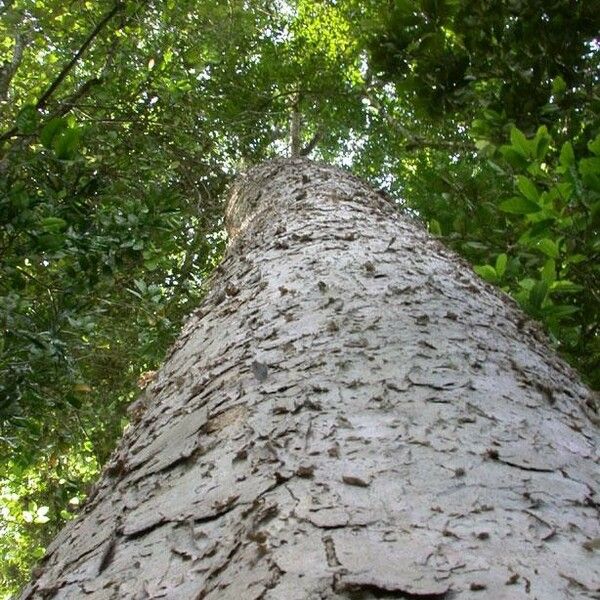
(43,100)
(67,68)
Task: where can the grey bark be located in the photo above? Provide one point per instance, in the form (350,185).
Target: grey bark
(351,413)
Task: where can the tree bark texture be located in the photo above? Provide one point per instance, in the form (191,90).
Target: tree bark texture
(351,413)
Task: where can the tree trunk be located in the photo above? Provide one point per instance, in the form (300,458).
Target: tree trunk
(351,413)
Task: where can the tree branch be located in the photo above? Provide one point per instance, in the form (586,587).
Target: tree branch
(69,102)
(67,68)
(316,138)
(412,140)
(43,100)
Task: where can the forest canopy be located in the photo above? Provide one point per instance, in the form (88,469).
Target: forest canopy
(123,123)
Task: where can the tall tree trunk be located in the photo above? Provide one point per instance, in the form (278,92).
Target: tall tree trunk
(351,413)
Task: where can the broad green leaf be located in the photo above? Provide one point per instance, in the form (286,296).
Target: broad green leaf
(560,310)
(576,258)
(567,156)
(592,181)
(514,158)
(594,145)
(538,293)
(562,190)
(559,86)
(541,142)
(51,130)
(549,271)
(151,264)
(434,227)
(53,224)
(590,166)
(541,228)
(520,143)
(65,144)
(535,170)
(501,261)
(527,188)
(487,272)
(548,247)
(519,206)
(565,287)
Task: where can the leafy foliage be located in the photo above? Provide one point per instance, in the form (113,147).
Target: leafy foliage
(121,125)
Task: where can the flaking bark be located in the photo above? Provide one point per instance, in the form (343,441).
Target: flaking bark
(351,413)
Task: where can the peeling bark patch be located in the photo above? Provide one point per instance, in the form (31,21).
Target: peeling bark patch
(260,370)
(356,480)
(380,589)
(108,553)
(332,559)
(225,419)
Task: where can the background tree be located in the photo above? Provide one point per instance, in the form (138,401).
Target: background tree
(122,124)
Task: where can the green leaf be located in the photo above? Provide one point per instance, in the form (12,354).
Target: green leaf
(592,182)
(594,145)
(549,271)
(541,142)
(590,166)
(527,188)
(487,272)
(559,310)
(51,130)
(567,156)
(538,293)
(565,287)
(562,190)
(514,158)
(19,198)
(65,144)
(559,86)
(151,264)
(501,261)
(53,224)
(434,227)
(27,119)
(576,258)
(519,206)
(541,228)
(548,247)
(520,143)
